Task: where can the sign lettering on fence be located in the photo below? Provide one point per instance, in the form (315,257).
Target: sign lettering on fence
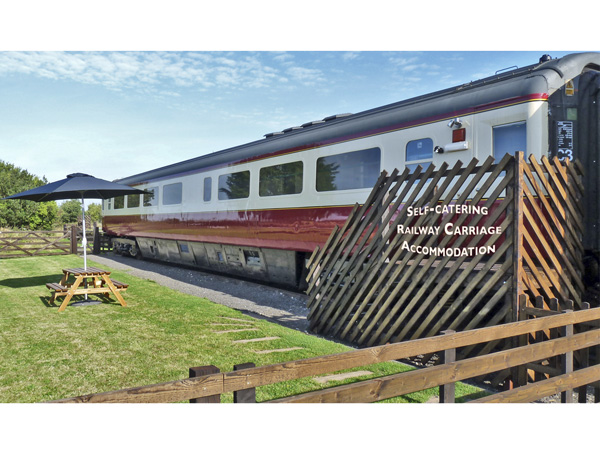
(435,214)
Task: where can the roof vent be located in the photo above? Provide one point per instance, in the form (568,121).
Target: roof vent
(336,116)
(275,133)
(310,124)
(287,130)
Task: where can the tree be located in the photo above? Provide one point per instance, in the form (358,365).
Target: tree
(23,213)
(69,211)
(94,211)
(45,217)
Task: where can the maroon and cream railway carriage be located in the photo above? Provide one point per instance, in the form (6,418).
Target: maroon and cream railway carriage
(259,209)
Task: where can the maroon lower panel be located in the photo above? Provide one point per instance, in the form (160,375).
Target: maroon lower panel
(288,229)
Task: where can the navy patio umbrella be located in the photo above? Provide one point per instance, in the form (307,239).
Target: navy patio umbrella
(79,186)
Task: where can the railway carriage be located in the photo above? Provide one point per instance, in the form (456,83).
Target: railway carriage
(258,210)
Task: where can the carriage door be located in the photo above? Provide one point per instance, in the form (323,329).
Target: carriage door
(574,133)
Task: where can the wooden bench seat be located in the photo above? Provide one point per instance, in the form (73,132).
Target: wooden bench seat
(57,287)
(120,286)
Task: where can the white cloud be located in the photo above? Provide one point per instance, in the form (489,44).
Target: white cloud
(144,71)
(283,57)
(401,61)
(349,56)
(308,77)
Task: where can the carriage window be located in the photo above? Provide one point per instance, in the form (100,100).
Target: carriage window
(282,179)
(509,138)
(120,202)
(419,149)
(354,170)
(133,200)
(207,189)
(234,185)
(172,194)
(150,197)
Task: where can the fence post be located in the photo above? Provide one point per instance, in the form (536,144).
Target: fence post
(449,356)
(597,383)
(73,240)
(584,362)
(199,372)
(567,363)
(517,235)
(96,248)
(244,395)
(539,337)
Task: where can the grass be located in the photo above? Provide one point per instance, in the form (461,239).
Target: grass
(47,355)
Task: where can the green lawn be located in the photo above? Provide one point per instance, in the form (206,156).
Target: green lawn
(48,355)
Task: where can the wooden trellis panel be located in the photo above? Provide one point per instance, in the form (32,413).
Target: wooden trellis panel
(553,231)
(397,270)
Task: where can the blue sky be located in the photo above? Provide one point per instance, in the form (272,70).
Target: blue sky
(113,114)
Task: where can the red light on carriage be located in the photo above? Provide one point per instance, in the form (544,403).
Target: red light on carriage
(459,135)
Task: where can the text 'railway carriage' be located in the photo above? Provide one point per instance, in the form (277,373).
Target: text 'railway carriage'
(258,209)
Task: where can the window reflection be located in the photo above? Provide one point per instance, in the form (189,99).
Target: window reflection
(353,170)
(234,185)
(119,202)
(282,179)
(133,200)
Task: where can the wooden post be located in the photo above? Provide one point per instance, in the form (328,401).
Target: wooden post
(96,248)
(244,395)
(199,372)
(567,363)
(554,306)
(517,235)
(539,337)
(597,383)
(447,391)
(519,373)
(73,240)
(584,361)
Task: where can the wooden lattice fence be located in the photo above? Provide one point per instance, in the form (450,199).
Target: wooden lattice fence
(451,248)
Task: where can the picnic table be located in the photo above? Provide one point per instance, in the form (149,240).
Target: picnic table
(85,281)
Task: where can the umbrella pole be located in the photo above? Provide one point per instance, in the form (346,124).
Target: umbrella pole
(84,240)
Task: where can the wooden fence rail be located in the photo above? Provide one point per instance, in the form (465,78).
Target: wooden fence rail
(20,244)
(16,244)
(211,384)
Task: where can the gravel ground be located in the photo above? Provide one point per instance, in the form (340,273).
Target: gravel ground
(257,300)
